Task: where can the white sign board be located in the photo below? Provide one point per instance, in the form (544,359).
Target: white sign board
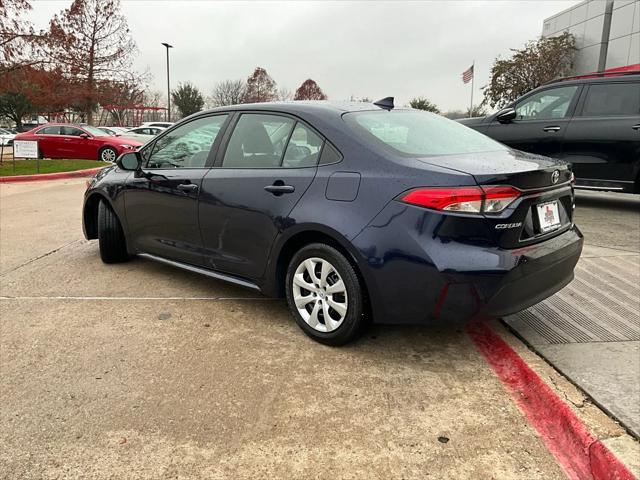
(25,149)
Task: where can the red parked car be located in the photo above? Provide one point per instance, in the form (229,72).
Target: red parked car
(65,140)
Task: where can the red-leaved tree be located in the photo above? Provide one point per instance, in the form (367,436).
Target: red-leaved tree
(260,87)
(309,90)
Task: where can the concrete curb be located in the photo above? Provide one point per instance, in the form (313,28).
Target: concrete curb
(50,176)
(580,454)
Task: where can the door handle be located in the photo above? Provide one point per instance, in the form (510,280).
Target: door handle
(278,190)
(636,127)
(554,128)
(188,187)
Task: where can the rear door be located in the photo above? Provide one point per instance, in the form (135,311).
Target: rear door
(541,121)
(267,165)
(161,201)
(603,139)
(49,142)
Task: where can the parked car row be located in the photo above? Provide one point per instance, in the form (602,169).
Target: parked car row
(6,136)
(591,121)
(64,140)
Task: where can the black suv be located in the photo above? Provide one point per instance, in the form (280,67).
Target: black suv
(592,121)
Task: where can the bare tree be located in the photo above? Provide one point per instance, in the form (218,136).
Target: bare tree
(20,44)
(309,90)
(260,87)
(285,94)
(92,42)
(228,92)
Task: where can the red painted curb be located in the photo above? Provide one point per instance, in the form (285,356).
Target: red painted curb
(50,176)
(580,454)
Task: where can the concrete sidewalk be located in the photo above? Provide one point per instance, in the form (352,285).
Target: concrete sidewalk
(590,331)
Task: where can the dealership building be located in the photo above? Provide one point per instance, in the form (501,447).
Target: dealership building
(607,33)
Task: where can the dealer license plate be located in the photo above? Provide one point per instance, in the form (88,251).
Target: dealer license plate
(548,216)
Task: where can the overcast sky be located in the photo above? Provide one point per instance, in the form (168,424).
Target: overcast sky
(372,49)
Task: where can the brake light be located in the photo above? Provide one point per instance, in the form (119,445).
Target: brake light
(463,199)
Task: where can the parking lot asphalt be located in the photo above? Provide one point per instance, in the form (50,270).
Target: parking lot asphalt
(140,370)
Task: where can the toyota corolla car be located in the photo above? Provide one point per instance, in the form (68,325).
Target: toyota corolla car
(64,140)
(349,211)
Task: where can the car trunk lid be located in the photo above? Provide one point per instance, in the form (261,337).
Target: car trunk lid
(546,192)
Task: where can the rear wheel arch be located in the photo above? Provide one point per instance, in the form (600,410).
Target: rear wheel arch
(301,239)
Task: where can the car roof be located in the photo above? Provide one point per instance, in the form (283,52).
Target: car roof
(597,78)
(301,106)
(60,124)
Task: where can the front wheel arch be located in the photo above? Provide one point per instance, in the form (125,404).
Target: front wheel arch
(107,147)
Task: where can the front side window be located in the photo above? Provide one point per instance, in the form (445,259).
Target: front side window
(612,99)
(546,105)
(418,133)
(258,141)
(188,145)
(71,131)
(303,149)
(96,132)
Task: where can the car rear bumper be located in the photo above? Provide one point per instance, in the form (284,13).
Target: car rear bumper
(414,274)
(539,273)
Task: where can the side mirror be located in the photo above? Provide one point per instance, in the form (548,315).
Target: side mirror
(85,135)
(506,115)
(131,161)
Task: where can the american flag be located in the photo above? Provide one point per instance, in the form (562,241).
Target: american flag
(467,75)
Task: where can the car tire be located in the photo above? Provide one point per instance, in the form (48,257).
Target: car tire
(113,247)
(342,302)
(108,154)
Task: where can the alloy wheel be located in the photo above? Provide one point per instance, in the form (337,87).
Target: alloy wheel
(320,294)
(108,155)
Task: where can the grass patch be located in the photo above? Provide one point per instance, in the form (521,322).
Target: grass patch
(29,167)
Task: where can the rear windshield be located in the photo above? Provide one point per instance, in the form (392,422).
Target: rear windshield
(416,133)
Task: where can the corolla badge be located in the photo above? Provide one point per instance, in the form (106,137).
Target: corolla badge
(555,176)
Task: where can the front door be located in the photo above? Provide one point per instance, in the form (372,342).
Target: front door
(541,122)
(73,145)
(161,201)
(269,162)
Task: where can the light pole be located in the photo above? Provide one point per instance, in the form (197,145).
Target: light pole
(168,119)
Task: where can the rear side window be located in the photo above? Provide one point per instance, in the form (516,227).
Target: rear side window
(303,149)
(49,131)
(329,154)
(258,141)
(416,133)
(612,99)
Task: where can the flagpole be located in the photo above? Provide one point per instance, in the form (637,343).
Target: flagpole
(473,77)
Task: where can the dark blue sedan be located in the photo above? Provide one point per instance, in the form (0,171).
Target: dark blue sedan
(349,211)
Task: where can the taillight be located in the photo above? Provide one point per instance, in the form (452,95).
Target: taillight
(463,199)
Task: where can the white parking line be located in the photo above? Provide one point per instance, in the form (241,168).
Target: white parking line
(130,298)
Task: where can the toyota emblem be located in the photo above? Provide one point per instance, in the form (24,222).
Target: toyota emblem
(555,176)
